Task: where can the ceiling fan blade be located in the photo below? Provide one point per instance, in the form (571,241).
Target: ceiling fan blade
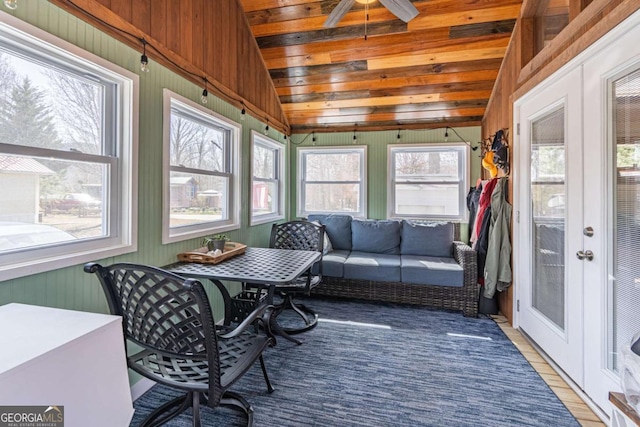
(337,13)
(403,9)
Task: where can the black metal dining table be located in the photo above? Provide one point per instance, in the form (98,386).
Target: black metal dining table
(265,268)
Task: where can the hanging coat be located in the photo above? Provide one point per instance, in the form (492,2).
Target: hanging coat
(482,245)
(497,269)
(483,205)
(473,200)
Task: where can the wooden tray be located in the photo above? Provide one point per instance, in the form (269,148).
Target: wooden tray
(200,255)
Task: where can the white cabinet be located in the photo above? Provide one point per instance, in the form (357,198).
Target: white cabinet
(50,356)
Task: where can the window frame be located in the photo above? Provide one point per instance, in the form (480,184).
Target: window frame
(279,178)
(121,154)
(232,159)
(301,171)
(463,178)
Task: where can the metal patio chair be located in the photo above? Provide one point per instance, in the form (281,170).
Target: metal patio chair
(299,235)
(168,320)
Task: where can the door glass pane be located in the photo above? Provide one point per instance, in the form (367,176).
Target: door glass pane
(625,249)
(548,191)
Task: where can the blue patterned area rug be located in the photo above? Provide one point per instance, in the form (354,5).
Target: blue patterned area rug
(386,365)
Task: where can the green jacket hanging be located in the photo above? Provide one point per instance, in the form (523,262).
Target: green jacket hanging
(497,268)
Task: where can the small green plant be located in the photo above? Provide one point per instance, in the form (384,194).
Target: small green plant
(216,241)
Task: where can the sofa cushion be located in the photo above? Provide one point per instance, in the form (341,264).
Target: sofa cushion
(377,236)
(442,271)
(338,227)
(370,266)
(326,242)
(429,239)
(332,263)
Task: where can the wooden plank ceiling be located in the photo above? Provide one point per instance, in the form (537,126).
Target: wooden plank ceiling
(437,70)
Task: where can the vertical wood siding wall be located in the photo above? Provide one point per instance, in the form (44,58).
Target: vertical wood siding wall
(521,71)
(205,37)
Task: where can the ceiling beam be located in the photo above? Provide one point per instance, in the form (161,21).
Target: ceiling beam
(390,83)
(388,100)
(439,123)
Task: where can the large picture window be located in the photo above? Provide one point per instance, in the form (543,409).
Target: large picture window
(267,179)
(332,180)
(201,179)
(67,153)
(428,181)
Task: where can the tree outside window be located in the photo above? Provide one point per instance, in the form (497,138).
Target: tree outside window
(66,151)
(201,189)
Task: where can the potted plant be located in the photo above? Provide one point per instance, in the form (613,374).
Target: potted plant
(215,242)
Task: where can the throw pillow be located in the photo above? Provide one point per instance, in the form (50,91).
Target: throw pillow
(427,239)
(338,228)
(326,245)
(377,236)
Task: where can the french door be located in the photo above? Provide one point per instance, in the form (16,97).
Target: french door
(551,197)
(612,177)
(577,230)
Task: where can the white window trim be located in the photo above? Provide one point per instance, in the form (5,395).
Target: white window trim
(464,173)
(233,223)
(20,264)
(257,138)
(362,149)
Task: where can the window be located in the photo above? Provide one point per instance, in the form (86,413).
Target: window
(332,179)
(67,153)
(201,171)
(428,181)
(267,179)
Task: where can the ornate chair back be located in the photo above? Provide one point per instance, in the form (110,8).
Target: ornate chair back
(169,320)
(301,236)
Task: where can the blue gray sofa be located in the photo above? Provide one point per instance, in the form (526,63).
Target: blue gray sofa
(398,261)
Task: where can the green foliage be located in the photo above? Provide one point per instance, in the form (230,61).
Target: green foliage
(28,120)
(628,155)
(209,241)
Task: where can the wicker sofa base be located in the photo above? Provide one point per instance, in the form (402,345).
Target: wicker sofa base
(463,298)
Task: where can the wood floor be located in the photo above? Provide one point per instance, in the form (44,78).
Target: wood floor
(584,415)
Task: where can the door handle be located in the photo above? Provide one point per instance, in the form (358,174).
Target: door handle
(586,254)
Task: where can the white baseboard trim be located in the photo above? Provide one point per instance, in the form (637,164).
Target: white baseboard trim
(141,387)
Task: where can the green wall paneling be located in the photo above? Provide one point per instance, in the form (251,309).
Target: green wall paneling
(377,145)
(71,288)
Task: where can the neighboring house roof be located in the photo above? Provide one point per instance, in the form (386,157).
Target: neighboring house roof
(23,165)
(180,180)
